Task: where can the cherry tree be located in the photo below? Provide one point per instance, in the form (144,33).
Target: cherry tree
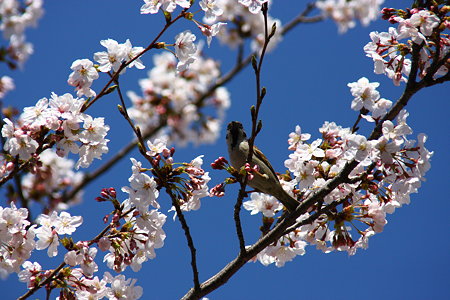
(349,178)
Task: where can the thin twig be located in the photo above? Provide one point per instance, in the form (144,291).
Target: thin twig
(362,112)
(18,168)
(189,239)
(237,217)
(254,115)
(302,18)
(19,191)
(259,95)
(168,189)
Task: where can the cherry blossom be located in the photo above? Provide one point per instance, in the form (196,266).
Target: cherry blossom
(254,6)
(112,58)
(82,77)
(345,12)
(211,9)
(167,91)
(250,25)
(6,85)
(151,6)
(262,203)
(15,18)
(122,288)
(185,49)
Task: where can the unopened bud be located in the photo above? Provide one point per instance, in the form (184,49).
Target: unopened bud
(254,63)
(110,89)
(259,126)
(274,29)
(253,111)
(263,92)
(121,110)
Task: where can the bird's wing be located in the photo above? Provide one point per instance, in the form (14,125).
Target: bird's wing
(263,157)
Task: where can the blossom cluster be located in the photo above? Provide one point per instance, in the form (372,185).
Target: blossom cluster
(245,22)
(389,169)
(52,228)
(78,286)
(175,100)
(129,243)
(185,50)
(418,26)
(110,287)
(195,187)
(15,18)
(84,71)
(284,250)
(51,179)
(153,6)
(367,99)
(136,245)
(188,182)
(18,237)
(345,12)
(59,121)
(133,243)
(17,240)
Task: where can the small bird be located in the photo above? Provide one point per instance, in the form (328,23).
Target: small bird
(265,180)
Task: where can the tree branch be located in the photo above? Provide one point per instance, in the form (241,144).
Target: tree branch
(286,225)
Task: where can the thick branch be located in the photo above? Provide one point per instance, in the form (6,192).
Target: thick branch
(229,270)
(286,224)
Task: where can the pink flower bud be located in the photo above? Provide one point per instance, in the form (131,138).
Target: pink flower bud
(219,163)
(218,190)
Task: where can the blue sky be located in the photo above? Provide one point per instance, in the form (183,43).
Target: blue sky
(306,77)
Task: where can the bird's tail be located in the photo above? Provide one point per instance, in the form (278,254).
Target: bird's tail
(286,199)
